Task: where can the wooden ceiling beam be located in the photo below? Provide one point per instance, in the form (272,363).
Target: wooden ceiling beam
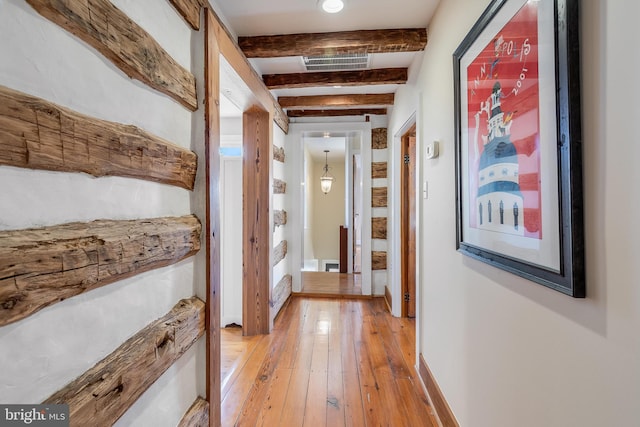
(379,76)
(337,113)
(342,42)
(352,100)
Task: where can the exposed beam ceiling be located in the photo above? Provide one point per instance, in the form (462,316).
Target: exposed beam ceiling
(335,100)
(379,76)
(338,113)
(343,42)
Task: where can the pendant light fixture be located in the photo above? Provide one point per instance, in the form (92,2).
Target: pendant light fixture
(326,180)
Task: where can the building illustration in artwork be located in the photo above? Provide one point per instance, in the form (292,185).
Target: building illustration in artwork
(499,199)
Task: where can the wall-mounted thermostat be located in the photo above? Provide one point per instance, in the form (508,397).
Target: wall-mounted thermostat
(431,150)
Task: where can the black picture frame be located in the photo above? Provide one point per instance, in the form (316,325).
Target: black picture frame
(485,174)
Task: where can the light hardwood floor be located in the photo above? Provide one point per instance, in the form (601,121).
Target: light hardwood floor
(327,362)
(323,284)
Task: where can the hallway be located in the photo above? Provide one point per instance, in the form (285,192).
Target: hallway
(326,363)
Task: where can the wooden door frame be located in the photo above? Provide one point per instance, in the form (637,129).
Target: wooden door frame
(405,205)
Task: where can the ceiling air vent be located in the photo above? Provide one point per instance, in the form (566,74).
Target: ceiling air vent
(342,62)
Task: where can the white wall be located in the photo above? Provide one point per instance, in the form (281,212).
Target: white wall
(506,351)
(44,352)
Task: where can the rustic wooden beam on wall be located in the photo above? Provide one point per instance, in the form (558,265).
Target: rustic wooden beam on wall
(281,292)
(379,138)
(378,76)
(279,252)
(256,228)
(278,153)
(111,32)
(335,43)
(189,10)
(379,170)
(350,100)
(337,112)
(279,186)
(378,228)
(378,260)
(197,415)
(379,197)
(38,134)
(40,267)
(101,395)
(279,217)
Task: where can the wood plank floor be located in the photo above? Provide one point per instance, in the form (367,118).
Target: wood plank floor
(327,362)
(323,284)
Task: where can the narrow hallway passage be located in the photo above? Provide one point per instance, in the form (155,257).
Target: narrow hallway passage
(326,363)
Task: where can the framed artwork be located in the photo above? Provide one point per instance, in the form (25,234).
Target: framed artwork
(518,142)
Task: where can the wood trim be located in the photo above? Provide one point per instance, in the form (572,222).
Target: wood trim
(281,294)
(102,394)
(278,154)
(40,267)
(351,100)
(378,260)
(279,252)
(279,218)
(233,54)
(388,299)
(197,415)
(257,160)
(379,197)
(338,113)
(212,240)
(379,228)
(379,138)
(438,402)
(376,76)
(334,43)
(378,170)
(189,10)
(128,46)
(38,134)
(279,186)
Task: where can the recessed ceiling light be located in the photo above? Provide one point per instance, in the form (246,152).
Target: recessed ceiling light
(332,6)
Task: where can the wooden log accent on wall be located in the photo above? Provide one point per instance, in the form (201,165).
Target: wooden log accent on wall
(278,153)
(101,395)
(112,33)
(279,186)
(379,138)
(40,267)
(38,134)
(378,228)
(378,260)
(379,197)
(379,170)
(279,217)
(279,252)
(280,294)
(197,415)
(189,10)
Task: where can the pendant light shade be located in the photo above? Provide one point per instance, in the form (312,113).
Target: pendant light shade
(326,180)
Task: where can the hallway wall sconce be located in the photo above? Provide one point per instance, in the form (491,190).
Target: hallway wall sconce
(332,6)
(326,180)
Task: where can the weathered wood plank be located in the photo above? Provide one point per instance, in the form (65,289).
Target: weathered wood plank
(102,394)
(334,43)
(197,415)
(337,112)
(189,10)
(279,252)
(349,100)
(378,260)
(379,138)
(376,76)
(111,32)
(280,217)
(379,170)
(40,267)
(38,134)
(279,186)
(379,197)
(378,228)
(280,294)
(278,153)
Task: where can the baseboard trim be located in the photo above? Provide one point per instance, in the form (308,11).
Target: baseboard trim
(439,403)
(387,298)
